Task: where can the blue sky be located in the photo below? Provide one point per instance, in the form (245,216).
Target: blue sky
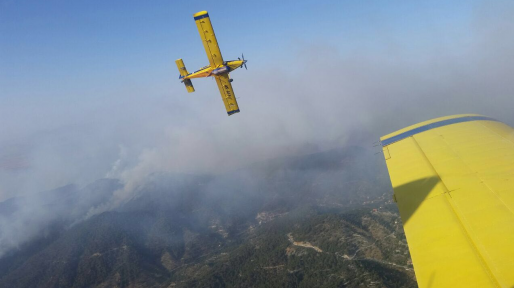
(56,53)
(60,46)
(90,89)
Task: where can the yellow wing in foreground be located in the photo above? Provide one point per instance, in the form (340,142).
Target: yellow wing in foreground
(203,22)
(227,94)
(453,181)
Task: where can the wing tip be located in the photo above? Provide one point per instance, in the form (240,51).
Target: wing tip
(428,125)
(200,15)
(232,112)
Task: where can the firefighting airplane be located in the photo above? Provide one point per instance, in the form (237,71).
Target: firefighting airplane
(217,68)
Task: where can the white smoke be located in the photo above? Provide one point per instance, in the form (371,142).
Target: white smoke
(318,102)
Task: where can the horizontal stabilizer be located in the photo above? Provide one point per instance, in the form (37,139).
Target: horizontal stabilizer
(189,85)
(183,72)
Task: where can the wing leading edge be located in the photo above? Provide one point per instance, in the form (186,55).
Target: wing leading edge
(453,181)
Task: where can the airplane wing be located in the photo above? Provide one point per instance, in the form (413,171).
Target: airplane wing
(227,94)
(203,22)
(453,181)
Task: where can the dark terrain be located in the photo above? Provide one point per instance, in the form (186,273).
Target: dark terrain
(320,220)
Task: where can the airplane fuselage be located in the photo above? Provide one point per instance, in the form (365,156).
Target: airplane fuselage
(207,71)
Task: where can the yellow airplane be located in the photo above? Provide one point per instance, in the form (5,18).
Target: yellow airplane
(217,68)
(453,182)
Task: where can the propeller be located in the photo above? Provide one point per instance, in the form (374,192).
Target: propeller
(244,61)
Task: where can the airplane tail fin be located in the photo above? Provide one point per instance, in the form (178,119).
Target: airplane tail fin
(183,72)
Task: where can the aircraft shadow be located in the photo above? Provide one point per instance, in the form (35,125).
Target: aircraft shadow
(410,196)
